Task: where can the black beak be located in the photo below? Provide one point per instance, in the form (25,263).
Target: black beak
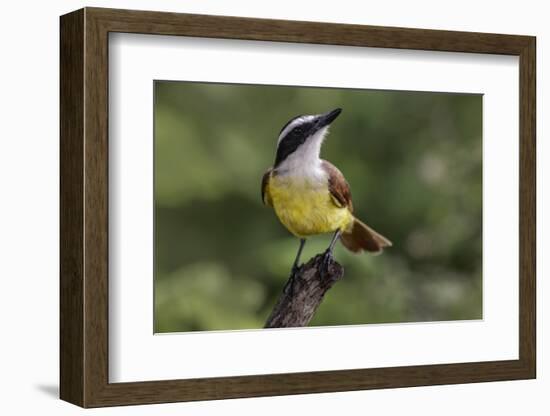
(327,118)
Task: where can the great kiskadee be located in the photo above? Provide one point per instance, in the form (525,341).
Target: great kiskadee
(310,195)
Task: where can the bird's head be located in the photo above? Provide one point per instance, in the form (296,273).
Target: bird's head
(300,138)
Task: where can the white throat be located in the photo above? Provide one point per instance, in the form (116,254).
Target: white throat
(305,161)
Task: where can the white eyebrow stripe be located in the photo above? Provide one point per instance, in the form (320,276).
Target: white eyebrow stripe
(293,124)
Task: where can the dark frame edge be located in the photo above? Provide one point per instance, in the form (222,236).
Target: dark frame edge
(276,30)
(528,214)
(286,384)
(71,98)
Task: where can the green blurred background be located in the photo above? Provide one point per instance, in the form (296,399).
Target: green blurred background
(414,164)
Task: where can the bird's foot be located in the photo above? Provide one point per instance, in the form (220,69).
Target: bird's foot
(295,270)
(326,262)
(290,282)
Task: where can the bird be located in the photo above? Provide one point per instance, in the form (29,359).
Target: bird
(310,196)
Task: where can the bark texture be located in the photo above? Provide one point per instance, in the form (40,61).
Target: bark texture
(304,293)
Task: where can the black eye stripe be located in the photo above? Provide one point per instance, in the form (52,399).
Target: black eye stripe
(291,141)
(290,121)
(300,129)
(288,146)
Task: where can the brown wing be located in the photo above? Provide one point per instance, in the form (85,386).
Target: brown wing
(338,186)
(266,198)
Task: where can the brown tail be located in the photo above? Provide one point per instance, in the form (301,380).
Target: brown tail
(361,237)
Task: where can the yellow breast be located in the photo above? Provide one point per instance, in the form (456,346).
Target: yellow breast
(306,208)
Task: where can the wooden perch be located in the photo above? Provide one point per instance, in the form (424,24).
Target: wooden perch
(303,293)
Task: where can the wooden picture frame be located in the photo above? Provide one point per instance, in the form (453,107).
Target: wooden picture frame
(84,207)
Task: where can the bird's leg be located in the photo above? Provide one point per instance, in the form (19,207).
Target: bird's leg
(327,256)
(295,266)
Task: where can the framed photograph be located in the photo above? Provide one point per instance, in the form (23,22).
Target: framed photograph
(217,242)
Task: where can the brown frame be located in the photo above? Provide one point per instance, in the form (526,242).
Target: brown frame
(84,207)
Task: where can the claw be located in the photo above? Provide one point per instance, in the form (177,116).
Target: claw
(326,262)
(290,283)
